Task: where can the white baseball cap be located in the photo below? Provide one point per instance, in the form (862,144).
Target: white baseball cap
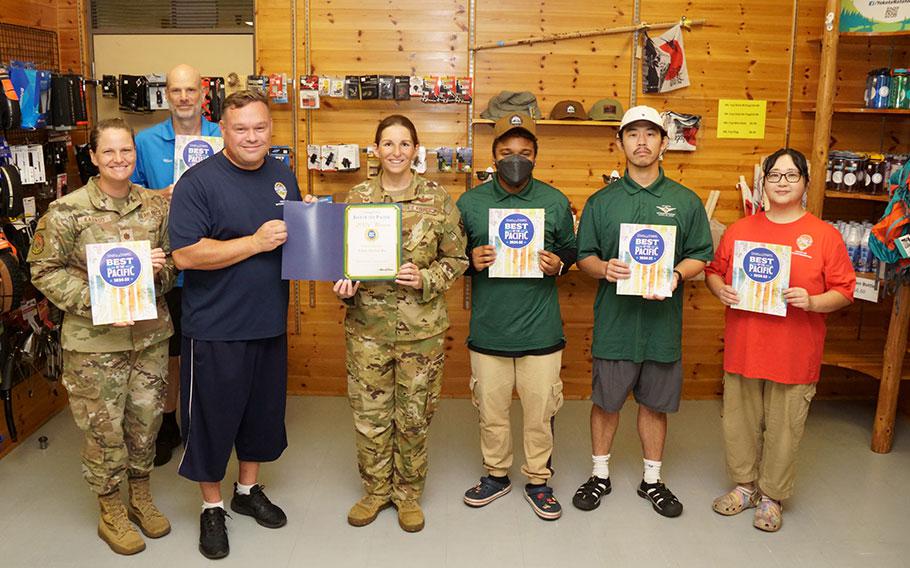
(645,113)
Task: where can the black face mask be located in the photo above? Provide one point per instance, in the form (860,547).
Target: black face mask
(515,170)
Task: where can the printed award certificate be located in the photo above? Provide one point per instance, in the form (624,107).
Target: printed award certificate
(761,273)
(517,235)
(372,241)
(649,252)
(121,282)
(190,150)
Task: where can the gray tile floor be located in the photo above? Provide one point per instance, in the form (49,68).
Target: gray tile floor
(851,506)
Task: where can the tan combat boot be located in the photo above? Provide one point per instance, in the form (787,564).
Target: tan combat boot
(364,511)
(410,516)
(142,510)
(115,529)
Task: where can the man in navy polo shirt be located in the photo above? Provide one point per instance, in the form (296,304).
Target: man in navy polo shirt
(155,170)
(226,231)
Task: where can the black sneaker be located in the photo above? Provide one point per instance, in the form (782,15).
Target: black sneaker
(213,539)
(485,492)
(258,506)
(661,498)
(543,502)
(588,496)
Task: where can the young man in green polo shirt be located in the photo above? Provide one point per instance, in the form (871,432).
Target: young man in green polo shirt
(516,337)
(637,340)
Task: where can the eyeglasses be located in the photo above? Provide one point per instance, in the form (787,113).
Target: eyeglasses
(775,177)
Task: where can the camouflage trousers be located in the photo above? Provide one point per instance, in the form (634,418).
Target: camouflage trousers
(394,389)
(117,400)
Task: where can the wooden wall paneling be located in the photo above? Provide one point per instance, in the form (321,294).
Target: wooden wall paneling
(743,52)
(32,13)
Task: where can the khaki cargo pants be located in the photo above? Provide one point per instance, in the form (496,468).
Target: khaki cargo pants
(763,424)
(536,378)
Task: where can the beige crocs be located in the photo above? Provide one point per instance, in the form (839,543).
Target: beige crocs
(769,515)
(736,501)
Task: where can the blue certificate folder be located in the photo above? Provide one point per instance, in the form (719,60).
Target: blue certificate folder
(315,246)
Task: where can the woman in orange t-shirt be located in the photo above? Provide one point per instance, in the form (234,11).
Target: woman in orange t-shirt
(772,362)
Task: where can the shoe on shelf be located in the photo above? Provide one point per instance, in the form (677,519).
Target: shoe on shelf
(213,539)
(258,506)
(486,491)
(543,502)
(588,496)
(661,498)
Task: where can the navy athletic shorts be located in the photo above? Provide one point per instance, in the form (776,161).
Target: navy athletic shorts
(232,396)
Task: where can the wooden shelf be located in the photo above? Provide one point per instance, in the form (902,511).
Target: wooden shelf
(861,356)
(864,110)
(861,196)
(547,122)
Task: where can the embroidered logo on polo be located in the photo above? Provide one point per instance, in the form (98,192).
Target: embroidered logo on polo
(666,211)
(281,190)
(804,241)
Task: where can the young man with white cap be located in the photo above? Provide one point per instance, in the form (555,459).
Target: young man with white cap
(637,340)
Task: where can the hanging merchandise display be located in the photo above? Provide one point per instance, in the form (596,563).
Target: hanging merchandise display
(445,159)
(109,86)
(133,94)
(664,62)
(10,117)
(681,129)
(282,154)
(257,83)
(386,87)
(213,97)
(157,91)
(278,88)
(309,92)
(369,87)
(464,160)
(25,82)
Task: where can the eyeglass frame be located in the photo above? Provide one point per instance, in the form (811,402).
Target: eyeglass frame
(785,175)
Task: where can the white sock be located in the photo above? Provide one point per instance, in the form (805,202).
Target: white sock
(244,489)
(207,505)
(652,471)
(601,466)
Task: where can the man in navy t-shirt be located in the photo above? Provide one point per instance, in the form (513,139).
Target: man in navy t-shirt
(226,231)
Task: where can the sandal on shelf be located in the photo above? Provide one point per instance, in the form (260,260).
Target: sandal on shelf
(769,515)
(736,501)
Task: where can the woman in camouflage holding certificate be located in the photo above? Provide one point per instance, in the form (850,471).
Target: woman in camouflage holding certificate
(395,329)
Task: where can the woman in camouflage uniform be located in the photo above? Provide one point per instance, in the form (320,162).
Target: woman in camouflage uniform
(395,329)
(115,374)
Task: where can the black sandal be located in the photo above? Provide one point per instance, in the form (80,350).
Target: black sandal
(588,496)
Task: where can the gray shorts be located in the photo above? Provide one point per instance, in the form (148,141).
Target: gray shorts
(657,386)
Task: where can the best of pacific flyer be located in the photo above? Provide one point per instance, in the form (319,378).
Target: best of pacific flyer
(190,150)
(649,251)
(517,235)
(121,282)
(761,273)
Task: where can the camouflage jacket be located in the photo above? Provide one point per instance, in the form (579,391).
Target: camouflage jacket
(58,266)
(432,237)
